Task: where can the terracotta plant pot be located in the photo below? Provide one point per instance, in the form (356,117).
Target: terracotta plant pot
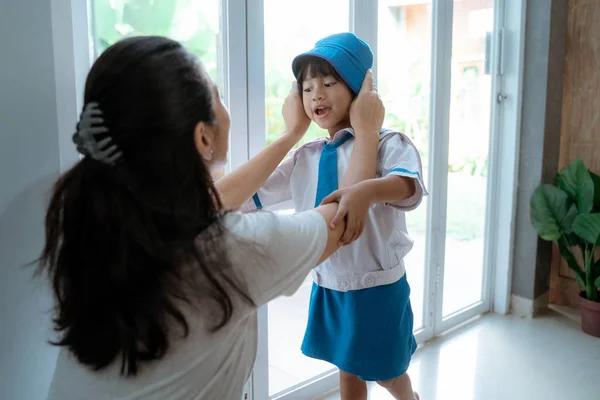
(590,317)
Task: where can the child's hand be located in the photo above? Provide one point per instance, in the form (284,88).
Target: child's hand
(367,110)
(294,116)
(354,203)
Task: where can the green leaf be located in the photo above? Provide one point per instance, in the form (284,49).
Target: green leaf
(576,181)
(587,227)
(596,180)
(579,280)
(571,261)
(572,239)
(597,283)
(150,17)
(551,213)
(567,221)
(596,268)
(106,18)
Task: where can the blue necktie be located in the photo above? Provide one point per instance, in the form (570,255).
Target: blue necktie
(327,180)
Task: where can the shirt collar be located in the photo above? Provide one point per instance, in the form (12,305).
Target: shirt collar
(341,134)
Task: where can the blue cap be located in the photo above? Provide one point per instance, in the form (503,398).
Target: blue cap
(350,56)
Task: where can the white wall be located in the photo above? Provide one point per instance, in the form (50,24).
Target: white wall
(29,163)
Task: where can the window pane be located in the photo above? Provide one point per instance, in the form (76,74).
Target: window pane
(470,107)
(292,27)
(403,75)
(195,23)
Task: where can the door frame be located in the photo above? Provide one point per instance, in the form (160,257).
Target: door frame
(508,152)
(441,75)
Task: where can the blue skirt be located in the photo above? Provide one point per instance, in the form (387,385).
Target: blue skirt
(367,333)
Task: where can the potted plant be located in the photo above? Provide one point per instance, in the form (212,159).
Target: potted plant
(568,213)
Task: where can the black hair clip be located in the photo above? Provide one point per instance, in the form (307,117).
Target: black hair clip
(89,126)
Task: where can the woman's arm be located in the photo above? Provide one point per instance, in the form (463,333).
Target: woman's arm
(273,253)
(333,235)
(237,187)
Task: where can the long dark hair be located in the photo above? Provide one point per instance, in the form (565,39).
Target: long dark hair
(128,245)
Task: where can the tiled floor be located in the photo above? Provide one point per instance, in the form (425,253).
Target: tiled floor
(507,358)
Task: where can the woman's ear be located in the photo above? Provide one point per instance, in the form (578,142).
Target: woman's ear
(203,139)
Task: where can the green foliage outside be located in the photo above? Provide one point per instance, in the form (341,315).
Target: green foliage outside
(195,24)
(117,19)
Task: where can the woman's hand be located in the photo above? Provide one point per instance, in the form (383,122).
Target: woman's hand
(354,202)
(367,110)
(296,120)
(237,187)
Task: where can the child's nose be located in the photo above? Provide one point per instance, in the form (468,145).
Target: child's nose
(317,95)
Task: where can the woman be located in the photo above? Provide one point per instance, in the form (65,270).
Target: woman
(156,284)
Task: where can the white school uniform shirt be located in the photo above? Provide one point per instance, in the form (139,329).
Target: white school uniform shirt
(377,257)
(272,256)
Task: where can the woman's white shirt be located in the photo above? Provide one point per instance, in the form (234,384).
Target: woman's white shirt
(271,255)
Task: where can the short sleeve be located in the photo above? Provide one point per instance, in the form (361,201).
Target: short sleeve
(276,193)
(398,156)
(273,254)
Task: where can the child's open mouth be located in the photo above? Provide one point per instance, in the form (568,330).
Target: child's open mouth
(321,112)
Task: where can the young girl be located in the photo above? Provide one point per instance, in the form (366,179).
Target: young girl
(360,318)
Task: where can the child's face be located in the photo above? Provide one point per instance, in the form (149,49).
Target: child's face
(327,102)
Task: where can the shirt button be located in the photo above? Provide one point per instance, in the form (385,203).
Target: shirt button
(369,281)
(344,284)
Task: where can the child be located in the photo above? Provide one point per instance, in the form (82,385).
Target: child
(360,318)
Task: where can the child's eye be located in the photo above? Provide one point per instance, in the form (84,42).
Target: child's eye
(307,90)
(330,84)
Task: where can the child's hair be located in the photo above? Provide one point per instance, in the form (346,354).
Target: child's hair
(127,245)
(313,67)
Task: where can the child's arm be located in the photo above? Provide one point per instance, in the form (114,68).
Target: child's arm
(366,116)
(388,189)
(399,165)
(237,187)
(400,185)
(363,160)
(362,167)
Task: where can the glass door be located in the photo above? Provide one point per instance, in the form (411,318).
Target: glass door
(404,82)
(465,270)
(291,28)
(436,74)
